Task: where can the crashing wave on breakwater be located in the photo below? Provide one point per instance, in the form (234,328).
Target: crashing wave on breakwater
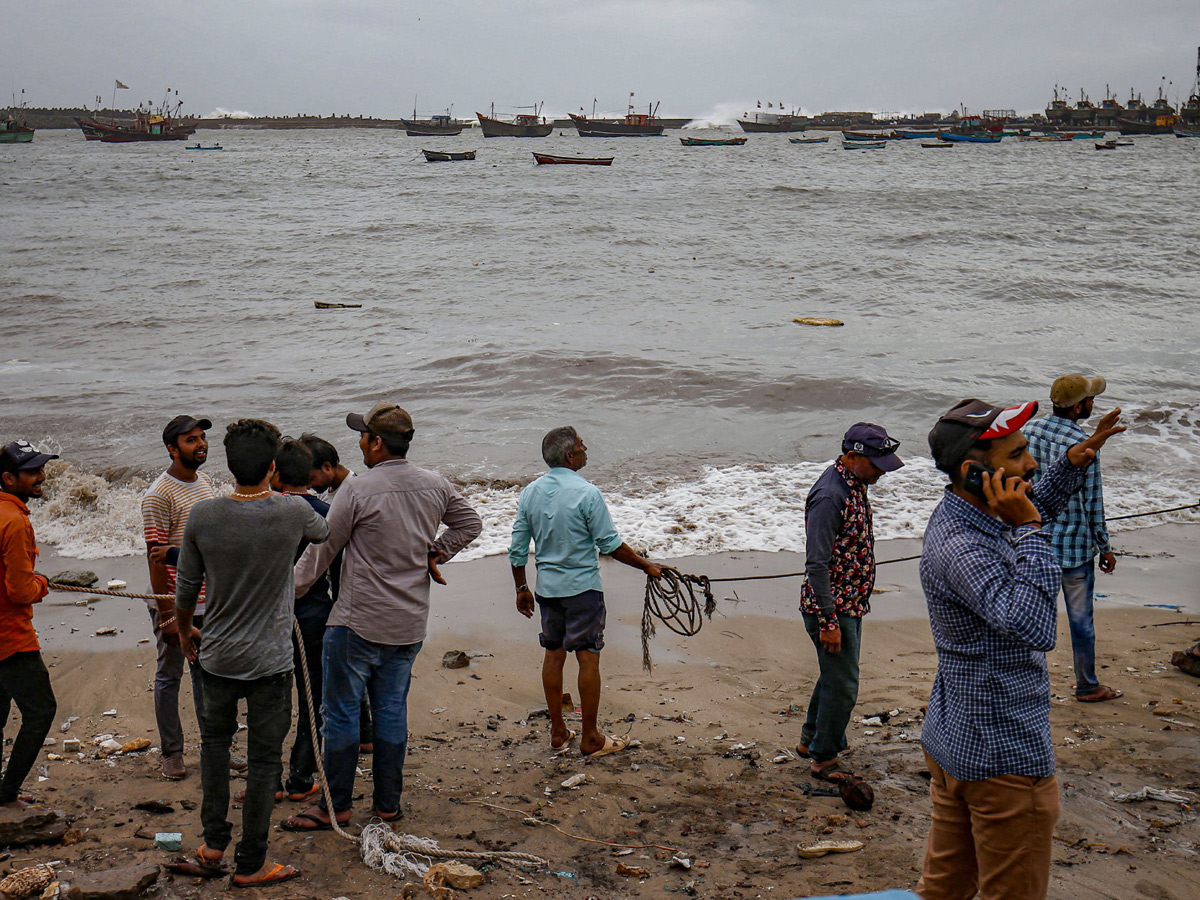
(715,509)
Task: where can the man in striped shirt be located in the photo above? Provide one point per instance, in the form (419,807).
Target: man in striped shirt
(165,509)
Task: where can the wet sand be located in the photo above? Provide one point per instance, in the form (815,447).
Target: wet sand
(480,763)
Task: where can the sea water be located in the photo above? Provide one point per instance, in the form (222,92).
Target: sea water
(649,304)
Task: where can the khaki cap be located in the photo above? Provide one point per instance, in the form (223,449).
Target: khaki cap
(1068,390)
(384,418)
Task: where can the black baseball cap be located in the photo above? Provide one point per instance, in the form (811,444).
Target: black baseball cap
(182,425)
(873,442)
(27,456)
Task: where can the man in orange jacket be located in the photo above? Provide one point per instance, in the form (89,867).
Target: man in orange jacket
(23,676)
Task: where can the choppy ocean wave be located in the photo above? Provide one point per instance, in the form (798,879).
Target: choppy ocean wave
(716,509)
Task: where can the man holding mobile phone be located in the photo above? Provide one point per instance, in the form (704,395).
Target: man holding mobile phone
(991,583)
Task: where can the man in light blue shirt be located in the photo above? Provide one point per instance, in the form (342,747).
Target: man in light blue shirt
(566,517)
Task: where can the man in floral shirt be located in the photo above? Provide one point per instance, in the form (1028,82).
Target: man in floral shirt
(839,574)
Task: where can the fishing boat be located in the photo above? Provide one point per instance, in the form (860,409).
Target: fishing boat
(646,124)
(941,145)
(1113,144)
(969,138)
(438,156)
(865,145)
(161,124)
(871,136)
(712,142)
(1187,132)
(820,140)
(13,132)
(544,159)
(197,146)
(761,121)
(433,126)
(521,125)
(909,135)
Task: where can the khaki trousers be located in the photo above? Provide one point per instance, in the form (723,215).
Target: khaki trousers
(990,837)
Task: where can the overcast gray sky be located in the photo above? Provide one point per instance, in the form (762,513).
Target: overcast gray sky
(701,58)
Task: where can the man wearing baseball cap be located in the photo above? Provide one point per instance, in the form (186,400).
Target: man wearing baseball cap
(839,570)
(165,508)
(387,519)
(1079,534)
(991,583)
(23,675)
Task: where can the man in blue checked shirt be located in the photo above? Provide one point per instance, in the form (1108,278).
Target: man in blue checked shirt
(1079,534)
(568,521)
(991,582)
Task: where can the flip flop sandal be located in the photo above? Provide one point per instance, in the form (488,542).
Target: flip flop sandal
(300,797)
(571,735)
(317,824)
(830,772)
(388,817)
(198,866)
(279,874)
(611,745)
(814,849)
(1101,694)
(802,751)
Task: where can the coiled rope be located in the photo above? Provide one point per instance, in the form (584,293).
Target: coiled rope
(672,600)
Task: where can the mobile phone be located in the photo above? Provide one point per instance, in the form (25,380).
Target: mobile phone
(973,482)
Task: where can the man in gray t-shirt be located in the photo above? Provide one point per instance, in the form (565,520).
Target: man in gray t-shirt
(241,547)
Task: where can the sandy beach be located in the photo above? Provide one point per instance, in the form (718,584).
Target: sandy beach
(712,777)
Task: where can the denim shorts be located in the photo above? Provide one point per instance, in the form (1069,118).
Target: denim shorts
(573,623)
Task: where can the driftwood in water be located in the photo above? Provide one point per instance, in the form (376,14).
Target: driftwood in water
(321,304)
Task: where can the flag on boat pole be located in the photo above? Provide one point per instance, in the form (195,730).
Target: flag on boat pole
(121,86)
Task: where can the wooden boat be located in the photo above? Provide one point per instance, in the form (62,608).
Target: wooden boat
(522,125)
(969,138)
(11,132)
(1113,144)
(321,304)
(544,159)
(865,145)
(916,135)
(1186,133)
(1161,125)
(633,125)
(871,136)
(434,126)
(760,122)
(820,140)
(145,127)
(940,145)
(199,147)
(438,156)
(712,142)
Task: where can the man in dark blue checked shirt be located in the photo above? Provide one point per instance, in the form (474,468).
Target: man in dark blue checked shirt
(991,581)
(1079,534)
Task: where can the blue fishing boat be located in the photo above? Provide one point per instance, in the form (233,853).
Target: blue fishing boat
(712,142)
(969,138)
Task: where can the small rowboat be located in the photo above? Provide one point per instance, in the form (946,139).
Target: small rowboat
(544,159)
(436,156)
(820,140)
(941,145)
(712,142)
(198,147)
(865,145)
(1186,132)
(1113,145)
(321,304)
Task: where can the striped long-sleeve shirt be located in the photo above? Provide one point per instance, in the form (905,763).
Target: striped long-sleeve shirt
(165,509)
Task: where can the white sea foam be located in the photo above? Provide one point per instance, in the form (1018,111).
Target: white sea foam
(721,508)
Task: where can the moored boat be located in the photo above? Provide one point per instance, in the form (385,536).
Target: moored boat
(872,136)
(820,140)
(760,122)
(712,142)
(439,156)
(147,125)
(522,124)
(13,132)
(1187,132)
(1165,124)
(865,145)
(969,138)
(544,159)
(434,126)
(646,124)
(940,145)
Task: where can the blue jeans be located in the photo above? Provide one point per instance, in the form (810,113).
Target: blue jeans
(836,691)
(355,666)
(1079,587)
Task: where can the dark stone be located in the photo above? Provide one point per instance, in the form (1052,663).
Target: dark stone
(158,807)
(124,883)
(455,659)
(81,579)
(20,827)
(1187,660)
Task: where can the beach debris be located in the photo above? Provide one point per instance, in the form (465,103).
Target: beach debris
(21,827)
(106,631)
(1187,660)
(1151,793)
(455,659)
(158,807)
(631,871)
(116,584)
(457,875)
(66,726)
(817,320)
(856,793)
(171,841)
(323,304)
(575,780)
(49,742)
(814,849)
(109,712)
(122,883)
(82,578)
(111,746)
(27,881)
(136,745)
(681,862)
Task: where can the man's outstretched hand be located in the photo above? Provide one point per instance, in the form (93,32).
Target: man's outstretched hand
(1084,452)
(435,557)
